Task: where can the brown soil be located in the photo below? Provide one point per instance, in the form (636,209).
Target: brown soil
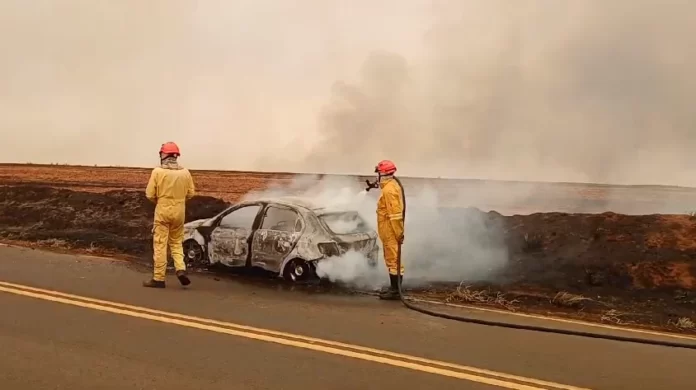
(505,197)
(626,252)
(229,186)
(650,310)
(615,268)
(618,269)
(116,221)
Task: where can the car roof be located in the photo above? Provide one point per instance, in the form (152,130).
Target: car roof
(288,201)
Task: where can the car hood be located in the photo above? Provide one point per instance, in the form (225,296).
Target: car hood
(195,224)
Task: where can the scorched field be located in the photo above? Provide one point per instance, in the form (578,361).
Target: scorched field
(616,254)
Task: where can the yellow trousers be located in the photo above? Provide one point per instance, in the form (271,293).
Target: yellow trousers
(390,221)
(390,245)
(167,234)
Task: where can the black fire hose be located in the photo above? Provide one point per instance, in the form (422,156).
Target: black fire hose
(519,326)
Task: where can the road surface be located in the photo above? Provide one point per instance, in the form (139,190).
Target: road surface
(74,322)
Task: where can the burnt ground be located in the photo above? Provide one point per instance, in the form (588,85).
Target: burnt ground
(117,221)
(506,197)
(619,269)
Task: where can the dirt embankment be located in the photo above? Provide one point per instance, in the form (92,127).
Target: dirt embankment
(577,251)
(113,221)
(585,264)
(505,197)
(613,268)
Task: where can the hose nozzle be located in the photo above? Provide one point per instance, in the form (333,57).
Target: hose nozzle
(371,185)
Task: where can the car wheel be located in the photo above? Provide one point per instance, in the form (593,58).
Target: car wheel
(194,255)
(298,270)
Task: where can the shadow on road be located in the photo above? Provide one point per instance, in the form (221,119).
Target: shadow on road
(260,278)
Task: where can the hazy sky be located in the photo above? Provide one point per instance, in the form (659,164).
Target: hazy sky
(574,90)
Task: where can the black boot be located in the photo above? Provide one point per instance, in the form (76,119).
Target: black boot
(183,279)
(385,289)
(393,292)
(154,283)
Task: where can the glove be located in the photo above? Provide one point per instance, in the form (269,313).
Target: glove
(398,227)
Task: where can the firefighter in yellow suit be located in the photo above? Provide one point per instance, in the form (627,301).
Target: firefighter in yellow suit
(169,187)
(390,224)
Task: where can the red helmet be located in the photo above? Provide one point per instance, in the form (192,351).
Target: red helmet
(385,167)
(170,148)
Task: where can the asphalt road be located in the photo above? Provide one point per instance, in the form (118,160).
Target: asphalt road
(73,322)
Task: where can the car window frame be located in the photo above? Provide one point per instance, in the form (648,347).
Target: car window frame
(281,206)
(218,222)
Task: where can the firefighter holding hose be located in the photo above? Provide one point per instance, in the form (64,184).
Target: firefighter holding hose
(169,187)
(390,224)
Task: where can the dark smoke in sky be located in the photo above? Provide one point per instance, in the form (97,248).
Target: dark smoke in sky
(537,90)
(576,90)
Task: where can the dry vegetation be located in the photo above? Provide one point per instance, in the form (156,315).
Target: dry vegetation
(685,323)
(466,294)
(615,317)
(566,299)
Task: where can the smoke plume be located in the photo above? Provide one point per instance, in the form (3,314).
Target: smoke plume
(441,244)
(577,90)
(529,90)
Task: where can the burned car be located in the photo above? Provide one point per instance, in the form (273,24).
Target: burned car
(283,235)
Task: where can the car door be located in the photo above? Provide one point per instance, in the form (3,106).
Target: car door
(280,228)
(229,241)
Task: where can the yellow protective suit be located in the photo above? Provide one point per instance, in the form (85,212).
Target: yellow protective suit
(169,187)
(390,221)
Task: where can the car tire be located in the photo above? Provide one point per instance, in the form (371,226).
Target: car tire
(298,270)
(194,255)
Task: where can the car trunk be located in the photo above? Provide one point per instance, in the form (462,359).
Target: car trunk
(350,231)
(359,242)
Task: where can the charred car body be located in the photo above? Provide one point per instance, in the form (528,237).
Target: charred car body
(283,235)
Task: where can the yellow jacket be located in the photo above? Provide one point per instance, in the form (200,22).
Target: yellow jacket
(390,207)
(169,187)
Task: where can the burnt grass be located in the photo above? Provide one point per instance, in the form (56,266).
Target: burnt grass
(118,221)
(619,269)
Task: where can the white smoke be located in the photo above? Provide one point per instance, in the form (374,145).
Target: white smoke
(343,223)
(441,244)
(352,269)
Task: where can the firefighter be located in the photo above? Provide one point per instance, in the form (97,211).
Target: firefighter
(169,187)
(390,224)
